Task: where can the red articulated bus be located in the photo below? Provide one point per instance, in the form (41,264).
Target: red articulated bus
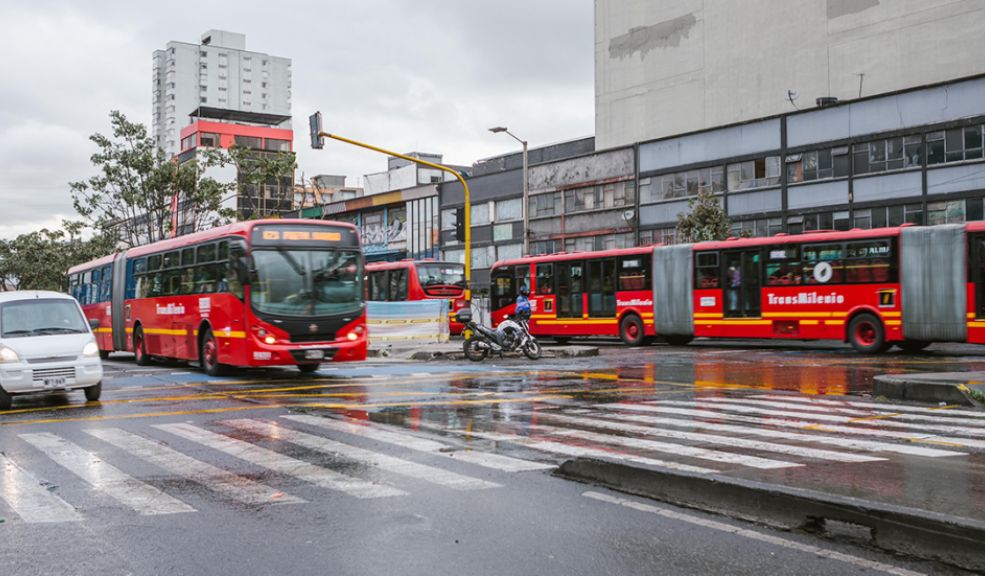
(419,280)
(260,293)
(907,286)
(606,293)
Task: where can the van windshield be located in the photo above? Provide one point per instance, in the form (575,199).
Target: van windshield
(41,317)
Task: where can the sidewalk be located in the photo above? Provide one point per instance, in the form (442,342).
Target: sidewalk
(452,350)
(958,388)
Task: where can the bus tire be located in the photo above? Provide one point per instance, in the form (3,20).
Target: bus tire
(5,399)
(631,330)
(678,339)
(93,392)
(561,340)
(208,354)
(140,347)
(912,346)
(308,368)
(866,334)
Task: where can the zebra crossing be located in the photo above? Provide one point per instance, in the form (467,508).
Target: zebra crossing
(301,454)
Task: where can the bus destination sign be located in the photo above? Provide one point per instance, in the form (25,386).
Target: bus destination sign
(301,235)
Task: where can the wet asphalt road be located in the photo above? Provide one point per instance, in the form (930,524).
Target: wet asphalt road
(444,468)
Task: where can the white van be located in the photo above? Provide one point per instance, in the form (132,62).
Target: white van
(46,346)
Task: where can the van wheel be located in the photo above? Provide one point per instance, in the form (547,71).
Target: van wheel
(631,330)
(5,400)
(94,392)
(140,347)
(866,334)
(678,339)
(208,354)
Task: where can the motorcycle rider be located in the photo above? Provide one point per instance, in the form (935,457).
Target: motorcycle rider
(522,310)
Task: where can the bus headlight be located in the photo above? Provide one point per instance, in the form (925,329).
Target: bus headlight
(8,355)
(90,350)
(352,336)
(269,339)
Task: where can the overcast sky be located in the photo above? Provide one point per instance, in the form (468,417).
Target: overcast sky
(427,75)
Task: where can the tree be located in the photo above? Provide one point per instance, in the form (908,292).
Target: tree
(39,260)
(704,220)
(131,196)
(258,171)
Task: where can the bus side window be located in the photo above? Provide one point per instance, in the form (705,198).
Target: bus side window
(634,273)
(707,271)
(398,285)
(823,264)
(782,266)
(522,275)
(106,284)
(503,289)
(73,285)
(869,261)
(545,279)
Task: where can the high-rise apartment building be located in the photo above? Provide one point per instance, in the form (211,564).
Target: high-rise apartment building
(216,79)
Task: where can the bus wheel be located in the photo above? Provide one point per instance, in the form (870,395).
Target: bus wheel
(562,340)
(912,346)
(308,368)
(631,330)
(866,334)
(140,347)
(678,339)
(208,354)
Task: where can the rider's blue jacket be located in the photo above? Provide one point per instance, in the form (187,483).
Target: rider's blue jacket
(522,304)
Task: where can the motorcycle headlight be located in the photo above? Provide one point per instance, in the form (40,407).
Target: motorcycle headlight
(8,355)
(90,350)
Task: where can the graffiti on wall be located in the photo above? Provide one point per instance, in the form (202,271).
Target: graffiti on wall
(384,230)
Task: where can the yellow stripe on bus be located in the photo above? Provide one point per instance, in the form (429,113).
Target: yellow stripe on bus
(579,321)
(736,322)
(707,315)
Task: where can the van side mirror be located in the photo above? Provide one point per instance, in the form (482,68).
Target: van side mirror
(93,323)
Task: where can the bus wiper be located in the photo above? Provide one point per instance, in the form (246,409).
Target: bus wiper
(292,261)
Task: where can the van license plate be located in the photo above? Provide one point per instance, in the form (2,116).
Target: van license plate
(54,382)
(314,354)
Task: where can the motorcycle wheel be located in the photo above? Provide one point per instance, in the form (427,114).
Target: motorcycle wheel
(473,352)
(532,350)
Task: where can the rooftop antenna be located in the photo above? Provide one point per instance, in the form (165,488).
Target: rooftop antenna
(792,95)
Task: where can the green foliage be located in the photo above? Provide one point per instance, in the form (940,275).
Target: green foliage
(705,220)
(130,197)
(39,260)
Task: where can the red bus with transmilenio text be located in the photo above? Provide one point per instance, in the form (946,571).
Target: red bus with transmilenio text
(410,279)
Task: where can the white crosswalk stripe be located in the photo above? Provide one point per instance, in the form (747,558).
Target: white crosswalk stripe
(790,421)
(383,434)
(29,499)
(889,414)
(212,477)
(572,450)
(949,411)
(732,441)
(390,463)
(143,498)
(282,464)
(767,431)
(860,422)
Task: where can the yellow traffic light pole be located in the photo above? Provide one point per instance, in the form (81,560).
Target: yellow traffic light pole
(317,133)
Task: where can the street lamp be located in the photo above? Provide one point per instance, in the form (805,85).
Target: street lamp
(526,191)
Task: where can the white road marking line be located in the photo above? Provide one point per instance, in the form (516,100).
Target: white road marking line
(282,464)
(212,477)
(800,451)
(379,433)
(741,408)
(872,405)
(887,414)
(144,498)
(573,451)
(753,535)
(390,463)
(851,443)
(803,424)
(668,448)
(29,499)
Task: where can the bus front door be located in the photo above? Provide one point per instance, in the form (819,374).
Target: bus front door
(742,284)
(602,288)
(570,289)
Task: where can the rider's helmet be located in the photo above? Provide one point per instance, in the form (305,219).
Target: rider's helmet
(524,291)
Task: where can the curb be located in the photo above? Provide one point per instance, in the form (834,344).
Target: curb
(913,388)
(924,534)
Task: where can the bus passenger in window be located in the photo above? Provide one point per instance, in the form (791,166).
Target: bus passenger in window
(734,284)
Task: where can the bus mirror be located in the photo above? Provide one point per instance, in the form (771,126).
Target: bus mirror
(463,316)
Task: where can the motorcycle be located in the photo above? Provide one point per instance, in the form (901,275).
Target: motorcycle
(512,334)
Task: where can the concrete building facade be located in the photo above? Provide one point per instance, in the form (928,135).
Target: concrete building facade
(217,74)
(679,66)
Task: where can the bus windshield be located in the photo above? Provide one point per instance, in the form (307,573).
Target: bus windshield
(441,274)
(306,282)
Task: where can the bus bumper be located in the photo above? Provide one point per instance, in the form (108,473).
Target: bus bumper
(293,353)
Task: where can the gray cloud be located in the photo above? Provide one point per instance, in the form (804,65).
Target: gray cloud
(428,75)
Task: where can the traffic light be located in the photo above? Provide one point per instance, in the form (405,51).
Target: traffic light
(314,124)
(460,224)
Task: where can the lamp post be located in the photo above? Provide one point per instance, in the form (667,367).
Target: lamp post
(526,189)
(317,142)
